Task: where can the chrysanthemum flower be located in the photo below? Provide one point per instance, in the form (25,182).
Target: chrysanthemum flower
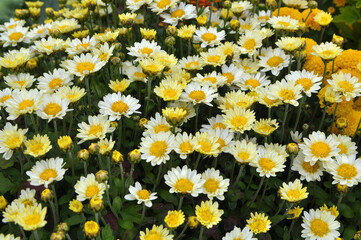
(348,86)
(38,146)
(160,6)
(53,107)
(140,194)
(214,57)
(258,223)
(285,23)
(274,60)
(88,187)
(119,85)
(23,102)
(52,81)
(289,44)
(215,186)
(15,58)
(97,128)
(208,213)
(179,13)
(323,18)
(293,191)
(73,94)
(197,93)
(346,146)
(327,51)
(237,233)
(174,219)
(143,49)
(287,92)
(265,127)
(157,232)
(308,80)
(19,81)
(206,143)
(13,36)
(191,63)
(268,162)
(346,170)
(239,119)
(250,42)
(209,37)
(11,138)
(32,218)
(49,45)
(169,89)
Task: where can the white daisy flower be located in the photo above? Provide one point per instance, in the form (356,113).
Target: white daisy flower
(268,162)
(135,5)
(77,46)
(253,81)
(232,74)
(214,123)
(19,81)
(179,13)
(140,194)
(215,186)
(224,138)
(53,107)
(49,45)
(208,37)
(143,49)
(26,198)
(307,171)
(5,94)
(296,136)
(134,73)
(13,36)
(309,81)
(346,146)
(346,84)
(184,144)
(285,23)
(11,24)
(212,79)
(250,42)
(243,151)
(159,6)
(40,31)
(88,187)
(52,81)
(287,92)
(185,181)
(237,233)
(274,60)
(346,170)
(97,128)
(23,102)
(191,63)
(11,138)
(197,93)
(327,51)
(47,171)
(156,125)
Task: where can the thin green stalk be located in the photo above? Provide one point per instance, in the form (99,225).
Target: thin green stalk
(120,130)
(23,233)
(250,181)
(279,7)
(323,117)
(299,112)
(72,164)
(196,108)
(182,232)
(158,177)
(263,194)
(197,161)
(54,213)
(149,89)
(321,35)
(96,216)
(215,162)
(21,165)
(283,216)
(339,200)
(143,215)
(289,170)
(210,13)
(34,123)
(201,233)
(358,126)
(291,227)
(189,47)
(333,117)
(180,202)
(258,189)
(71,122)
(85,168)
(269,112)
(36,236)
(279,208)
(55,200)
(122,179)
(110,203)
(284,122)
(324,73)
(239,175)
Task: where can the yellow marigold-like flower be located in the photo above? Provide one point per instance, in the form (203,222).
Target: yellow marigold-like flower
(349,59)
(151,67)
(353,119)
(294,213)
(323,18)
(91,229)
(286,11)
(259,223)
(117,157)
(265,126)
(65,143)
(119,86)
(309,45)
(310,22)
(316,65)
(174,116)
(3,203)
(76,206)
(186,32)
(293,191)
(174,219)
(208,213)
(339,3)
(157,232)
(38,146)
(32,217)
(333,210)
(148,34)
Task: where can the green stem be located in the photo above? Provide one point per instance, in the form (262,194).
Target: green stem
(149,89)
(23,233)
(34,123)
(143,215)
(210,13)
(196,108)
(109,171)
(263,193)
(324,73)
(321,35)
(182,232)
(239,175)
(323,117)
(197,161)
(72,164)
(189,47)
(339,200)
(299,112)
(289,170)
(120,131)
(85,168)
(279,208)
(55,200)
(122,179)
(180,202)
(110,203)
(20,159)
(96,216)
(358,125)
(333,117)
(250,181)
(258,189)
(201,233)
(291,227)
(284,122)
(283,216)
(54,213)
(36,236)
(279,7)
(71,122)
(158,177)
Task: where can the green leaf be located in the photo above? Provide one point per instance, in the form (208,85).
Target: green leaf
(107,233)
(168,197)
(346,211)
(348,15)
(64,199)
(4,164)
(125,224)
(74,220)
(358,3)
(5,185)
(117,204)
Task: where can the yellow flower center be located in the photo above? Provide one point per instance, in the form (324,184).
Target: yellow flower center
(36,148)
(85,67)
(306,83)
(92,191)
(265,128)
(205,146)
(347,171)
(32,219)
(21,82)
(244,156)
(343,148)
(310,169)
(327,53)
(209,37)
(139,75)
(320,149)
(143,194)
(16,36)
(319,227)
(14,142)
(27,202)
(252,82)
(213,59)
(249,44)
(274,61)
(169,93)
(4,98)
(192,64)
(258,226)
(211,185)
(158,148)
(48,173)
(52,109)
(346,85)
(95,130)
(221,143)
(219,125)
(119,107)
(83,45)
(206,215)
(25,104)
(229,76)
(55,83)
(284,24)
(161,128)
(197,95)
(239,121)
(103,56)
(293,194)
(185,147)
(246,26)
(184,185)
(163,3)
(210,79)
(152,235)
(178,13)
(146,50)
(172,219)
(287,94)
(266,163)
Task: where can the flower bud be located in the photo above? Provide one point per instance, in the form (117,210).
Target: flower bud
(65,143)
(294,213)
(83,154)
(169,41)
(338,40)
(192,222)
(96,204)
(102,176)
(342,188)
(57,236)
(62,227)
(305,126)
(142,122)
(202,20)
(171,30)
(292,148)
(76,206)
(49,12)
(117,157)
(3,203)
(47,195)
(271,4)
(94,148)
(114,124)
(234,24)
(312,4)
(34,13)
(357,235)
(115,61)
(341,123)
(134,156)
(91,229)
(227,4)
(31,64)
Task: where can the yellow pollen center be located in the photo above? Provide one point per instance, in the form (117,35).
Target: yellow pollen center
(185,147)
(119,107)
(92,191)
(178,13)
(243,156)
(327,53)
(343,148)
(28,202)
(55,83)
(214,58)
(25,104)
(161,128)
(284,24)
(163,3)
(266,164)
(146,50)
(13,142)
(32,219)
(246,26)
(219,125)
(319,227)
(310,169)
(143,194)
(306,83)
(21,82)
(83,45)
(239,121)
(259,225)
(229,76)
(169,93)
(293,194)
(274,61)
(47,174)
(210,79)
(16,36)
(287,94)
(205,146)
(36,148)
(252,82)
(265,128)
(152,235)
(346,85)
(85,67)
(320,149)
(139,75)
(347,171)
(95,130)
(206,215)
(4,98)
(184,185)
(197,95)
(211,185)
(209,37)
(192,64)
(158,148)
(249,44)
(52,109)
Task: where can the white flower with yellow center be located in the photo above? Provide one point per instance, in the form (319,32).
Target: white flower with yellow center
(135,5)
(214,57)
(159,6)
(207,144)
(184,144)
(309,81)
(299,4)
(83,65)
(12,23)
(265,127)
(156,233)
(208,213)
(73,94)
(319,148)
(320,225)
(104,51)
(184,180)
(53,107)
(250,42)
(232,74)
(143,49)
(46,172)
(16,35)
(274,60)
(119,85)
(224,138)
(9,237)
(5,94)
(191,63)
(264,97)
(188,107)
(49,45)
(244,151)
(214,123)
(346,170)
(327,51)
(259,223)
(263,16)
(105,146)
(290,44)
(52,81)
(293,191)
(134,73)
(253,81)
(40,31)
(116,105)
(287,92)
(347,85)
(26,198)
(12,210)
(346,146)
(208,37)
(169,61)
(19,81)
(65,25)
(241,6)
(285,23)
(239,119)
(179,13)
(11,138)
(15,58)
(157,125)
(307,171)
(88,187)
(197,93)
(23,102)
(97,128)
(140,194)
(214,186)
(238,234)
(212,79)
(156,148)
(268,162)
(246,64)
(323,18)
(77,46)
(278,148)
(169,89)
(32,218)
(38,146)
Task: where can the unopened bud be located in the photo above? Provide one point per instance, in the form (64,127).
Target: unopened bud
(341,123)
(93,148)
(32,64)
(117,157)
(142,122)
(338,40)
(305,126)
(312,4)
(169,41)
(62,227)
(65,143)
(171,30)
(115,61)
(134,156)
(271,4)
(357,235)
(202,20)
(292,148)
(47,195)
(96,204)
(57,236)
(192,222)
(102,176)
(342,188)
(3,203)
(83,154)
(234,24)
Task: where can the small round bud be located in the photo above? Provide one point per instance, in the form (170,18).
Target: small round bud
(49,12)
(34,12)
(121,56)
(117,157)
(341,123)
(331,10)
(142,122)
(171,30)
(338,40)
(115,61)
(227,4)
(76,206)
(117,46)
(96,204)
(57,236)
(114,124)
(3,203)
(102,176)
(305,126)
(271,4)
(31,64)
(192,222)
(312,4)
(202,20)
(65,143)
(342,188)
(91,229)
(62,227)
(169,41)
(134,156)
(234,24)
(136,118)
(83,154)
(47,195)
(94,148)
(292,148)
